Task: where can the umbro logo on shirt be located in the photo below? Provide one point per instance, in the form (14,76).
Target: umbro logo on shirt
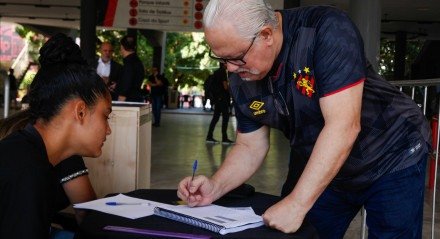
(256,106)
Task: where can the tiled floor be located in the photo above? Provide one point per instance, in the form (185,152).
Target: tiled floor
(181,139)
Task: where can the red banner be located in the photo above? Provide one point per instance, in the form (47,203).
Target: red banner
(10,42)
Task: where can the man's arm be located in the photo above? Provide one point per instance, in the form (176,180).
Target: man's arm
(240,164)
(342,113)
(243,160)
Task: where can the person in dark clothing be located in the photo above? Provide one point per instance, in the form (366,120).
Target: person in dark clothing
(108,69)
(356,139)
(13,89)
(157,86)
(133,73)
(68,112)
(208,93)
(220,97)
(165,86)
(74,185)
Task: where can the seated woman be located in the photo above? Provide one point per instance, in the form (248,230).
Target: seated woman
(68,111)
(72,174)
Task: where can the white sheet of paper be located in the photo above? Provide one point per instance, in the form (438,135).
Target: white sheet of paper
(146,208)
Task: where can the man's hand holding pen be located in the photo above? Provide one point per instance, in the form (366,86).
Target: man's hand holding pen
(196,190)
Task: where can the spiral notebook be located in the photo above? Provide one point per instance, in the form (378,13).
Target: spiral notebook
(215,218)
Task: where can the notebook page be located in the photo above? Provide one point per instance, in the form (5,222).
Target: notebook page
(223,216)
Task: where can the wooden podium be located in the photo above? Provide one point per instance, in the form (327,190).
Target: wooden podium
(126,155)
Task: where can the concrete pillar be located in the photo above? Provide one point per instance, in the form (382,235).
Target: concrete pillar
(399,56)
(161,59)
(7,98)
(367,17)
(88,30)
(157,39)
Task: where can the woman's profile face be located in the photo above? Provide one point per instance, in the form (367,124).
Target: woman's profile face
(96,127)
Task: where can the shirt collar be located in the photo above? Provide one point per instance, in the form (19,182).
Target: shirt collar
(36,139)
(102,62)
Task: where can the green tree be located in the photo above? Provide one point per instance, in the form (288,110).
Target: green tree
(35,40)
(387,52)
(145,51)
(187,62)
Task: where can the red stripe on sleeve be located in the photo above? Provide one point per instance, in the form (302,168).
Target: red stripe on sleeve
(345,87)
(110,13)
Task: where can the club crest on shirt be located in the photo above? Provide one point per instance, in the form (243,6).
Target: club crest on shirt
(304,81)
(256,107)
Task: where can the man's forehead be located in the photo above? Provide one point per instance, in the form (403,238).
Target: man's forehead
(223,43)
(221,31)
(106,46)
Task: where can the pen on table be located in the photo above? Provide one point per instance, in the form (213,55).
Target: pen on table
(125,203)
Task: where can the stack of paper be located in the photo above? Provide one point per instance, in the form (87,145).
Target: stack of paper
(216,218)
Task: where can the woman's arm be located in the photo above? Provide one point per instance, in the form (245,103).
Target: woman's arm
(79,190)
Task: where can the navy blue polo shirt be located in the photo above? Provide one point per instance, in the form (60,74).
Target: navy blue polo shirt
(322,54)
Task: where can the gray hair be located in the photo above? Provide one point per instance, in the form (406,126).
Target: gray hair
(247,16)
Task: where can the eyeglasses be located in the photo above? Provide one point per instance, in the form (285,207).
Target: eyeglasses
(234,61)
(278,99)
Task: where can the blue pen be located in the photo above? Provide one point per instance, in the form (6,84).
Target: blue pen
(194,169)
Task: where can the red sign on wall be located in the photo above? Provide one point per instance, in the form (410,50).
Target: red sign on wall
(10,42)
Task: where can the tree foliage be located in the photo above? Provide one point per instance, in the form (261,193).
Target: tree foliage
(387,52)
(145,51)
(34,39)
(187,62)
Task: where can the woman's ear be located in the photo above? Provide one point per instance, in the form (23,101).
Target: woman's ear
(80,110)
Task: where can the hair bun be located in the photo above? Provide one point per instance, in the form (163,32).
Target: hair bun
(60,49)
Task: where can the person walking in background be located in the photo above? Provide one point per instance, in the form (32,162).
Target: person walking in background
(13,89)
(220,97)
(207,92)
(108,69)
(156,83)
(133,73)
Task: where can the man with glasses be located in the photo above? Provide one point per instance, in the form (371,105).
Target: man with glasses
(355,139)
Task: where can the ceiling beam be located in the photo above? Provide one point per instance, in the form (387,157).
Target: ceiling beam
(39,5)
